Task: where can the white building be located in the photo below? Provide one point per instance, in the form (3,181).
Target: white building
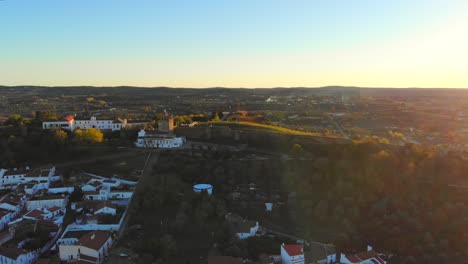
(17,256)
(292,254)
(12,202)
(10,179)
(106,208)
(100,195)
(92,247)
(5,217)
(46,201)
(69,123)
(154,140)
(366,257)
(247,229)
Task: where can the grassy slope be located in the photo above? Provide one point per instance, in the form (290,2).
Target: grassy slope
(271,128)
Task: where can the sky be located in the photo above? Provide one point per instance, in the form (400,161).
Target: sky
(241,43)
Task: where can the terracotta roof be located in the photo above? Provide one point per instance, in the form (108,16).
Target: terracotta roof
(224,260)
(294,249)
(36,213)
(54,208)
(69,118)
(11,253)
(95,239)
(366,255)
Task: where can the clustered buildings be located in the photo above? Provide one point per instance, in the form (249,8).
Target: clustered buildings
(37,202)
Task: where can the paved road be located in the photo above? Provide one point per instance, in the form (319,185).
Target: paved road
(340,129)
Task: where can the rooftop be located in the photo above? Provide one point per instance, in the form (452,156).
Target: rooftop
(94,240)
(11,253)
(293,249)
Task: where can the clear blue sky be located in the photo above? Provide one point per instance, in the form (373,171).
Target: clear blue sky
(234,43)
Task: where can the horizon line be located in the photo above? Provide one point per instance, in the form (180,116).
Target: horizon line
(224,87)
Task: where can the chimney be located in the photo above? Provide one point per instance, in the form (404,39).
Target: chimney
(93,236)
(369,248)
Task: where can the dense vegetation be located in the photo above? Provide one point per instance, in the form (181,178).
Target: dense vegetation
(395,198)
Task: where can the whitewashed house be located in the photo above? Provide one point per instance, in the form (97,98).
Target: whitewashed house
(365,257)
(100,195)
(12,177)
(91,186)
(92,247)
(156,140)
(69,123)
(246,229)
(110,183)
(12,202)
(47,201)
(292,254)
(5,217)
(17,256)
(105,208)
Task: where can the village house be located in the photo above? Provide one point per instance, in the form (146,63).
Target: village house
(12,177)
(246,229)
(241,227)
(43,213)
(46,201)
(121,192)
(105,208)
(92,247)
(110,183)
(292,254)
(92,185)
(5,218)
(154,139)
(365,257)
(100,195)
(17,256)
(318,253)
(69,123)
(12,202)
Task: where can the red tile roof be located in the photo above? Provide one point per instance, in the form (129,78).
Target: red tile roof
(366,255)
(94,240)
(69,118)
(54,208)
(294,250)
(36,213)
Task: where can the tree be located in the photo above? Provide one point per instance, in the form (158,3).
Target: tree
(60,136)
(296,151)
(14,120)
(88,136)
